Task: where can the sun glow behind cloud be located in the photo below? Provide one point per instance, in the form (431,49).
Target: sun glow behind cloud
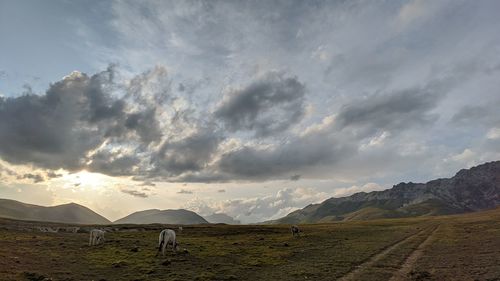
(87,180)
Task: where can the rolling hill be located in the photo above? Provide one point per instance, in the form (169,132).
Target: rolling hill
(180,216)
(67,213)
(469,190)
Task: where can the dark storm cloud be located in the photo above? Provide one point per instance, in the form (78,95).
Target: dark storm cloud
(115,164)
(485,114)
(298,154)
(470,113)
(145,124)
(270,105)
(56,129)
(148,93)
(336,141)
(77,115)
(101,105)
(327,145)
(395,111)
(81,123)
(188,154)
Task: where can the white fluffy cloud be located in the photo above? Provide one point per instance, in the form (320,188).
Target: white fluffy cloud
(284,201)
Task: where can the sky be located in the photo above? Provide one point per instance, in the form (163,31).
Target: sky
(249,108)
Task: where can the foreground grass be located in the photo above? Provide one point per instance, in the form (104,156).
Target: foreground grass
(465,247)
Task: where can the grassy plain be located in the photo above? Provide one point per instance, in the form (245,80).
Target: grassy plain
(461,247)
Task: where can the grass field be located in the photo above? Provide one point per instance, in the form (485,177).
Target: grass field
(462,247)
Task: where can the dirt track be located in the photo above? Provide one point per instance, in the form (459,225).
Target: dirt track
(366,266)
(407,266)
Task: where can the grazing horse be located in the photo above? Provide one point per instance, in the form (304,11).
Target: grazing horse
(96,237)
(295,230)
(167,237)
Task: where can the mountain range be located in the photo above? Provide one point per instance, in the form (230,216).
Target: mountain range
(180,216)
(78,214)
(473,189)
(67,213)
(469,190)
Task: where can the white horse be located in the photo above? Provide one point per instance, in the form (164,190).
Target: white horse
(96,237)
(167,237)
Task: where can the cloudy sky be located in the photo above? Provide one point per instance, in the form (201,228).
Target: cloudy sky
(251,108)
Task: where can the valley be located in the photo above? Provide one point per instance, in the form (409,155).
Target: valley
(455,247)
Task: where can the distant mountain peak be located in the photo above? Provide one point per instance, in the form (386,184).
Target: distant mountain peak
(169,216)
(65,213)
(469,190)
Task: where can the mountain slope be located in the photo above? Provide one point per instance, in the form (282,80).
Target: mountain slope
(180,216)
(67,213)
(469,190)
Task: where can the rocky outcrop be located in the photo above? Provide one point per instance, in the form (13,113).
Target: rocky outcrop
(469,190)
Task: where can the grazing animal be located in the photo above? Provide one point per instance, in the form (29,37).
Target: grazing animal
(96,237)
(53,229)
(180,228)
(167,237)
(48,229)
(295,230)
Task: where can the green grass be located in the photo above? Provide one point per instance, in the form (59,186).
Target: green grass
(325,252)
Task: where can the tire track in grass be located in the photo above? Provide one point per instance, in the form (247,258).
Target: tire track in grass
(370,262)
(407,266)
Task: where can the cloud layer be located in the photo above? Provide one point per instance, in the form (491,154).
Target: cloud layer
(328,93)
